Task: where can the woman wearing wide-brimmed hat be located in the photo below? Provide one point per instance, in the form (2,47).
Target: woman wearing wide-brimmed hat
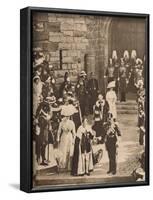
(111,98)
(65,138)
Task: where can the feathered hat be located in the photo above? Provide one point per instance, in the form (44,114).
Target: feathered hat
(111,84)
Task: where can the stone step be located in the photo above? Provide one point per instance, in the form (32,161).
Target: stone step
(127,107)
(129,102)
(127,111)
(45,170)
(66,180)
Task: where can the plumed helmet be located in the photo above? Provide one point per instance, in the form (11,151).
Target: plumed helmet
(139,61)
(51,99)
(114,54)
(110,61)
(126,54)
(83,73)
(122,60)
(36,77)
(133,54)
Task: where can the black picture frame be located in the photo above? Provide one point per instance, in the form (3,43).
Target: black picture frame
(26,98)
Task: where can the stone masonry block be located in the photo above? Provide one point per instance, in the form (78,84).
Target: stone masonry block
(78,33)
(53,27)
(66,27)
(64,66)
(40,36)
(66,19)
(64,46)
(68,33)
(55,39)
(67,59)
(41,17)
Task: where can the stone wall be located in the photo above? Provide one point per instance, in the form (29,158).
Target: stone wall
(72,42)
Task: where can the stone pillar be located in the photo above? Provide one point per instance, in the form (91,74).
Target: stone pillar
(90,63)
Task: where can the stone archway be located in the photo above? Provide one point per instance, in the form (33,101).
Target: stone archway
(127,34)
(97,51)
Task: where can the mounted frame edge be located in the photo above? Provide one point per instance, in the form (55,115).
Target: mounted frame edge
(26,97)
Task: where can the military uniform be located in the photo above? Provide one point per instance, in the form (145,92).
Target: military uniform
(92,87)
(116,74)
(81,93)
(110,73)
(101,110)
(122,82)
(112,131)
(42,114)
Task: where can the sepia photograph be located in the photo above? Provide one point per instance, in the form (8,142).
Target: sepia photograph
(89,100)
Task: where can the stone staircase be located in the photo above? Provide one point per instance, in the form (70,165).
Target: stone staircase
(52,175)
(128,107)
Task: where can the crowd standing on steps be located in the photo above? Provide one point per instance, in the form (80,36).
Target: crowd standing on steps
(61,130)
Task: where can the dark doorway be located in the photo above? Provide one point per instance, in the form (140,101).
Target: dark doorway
(127,34)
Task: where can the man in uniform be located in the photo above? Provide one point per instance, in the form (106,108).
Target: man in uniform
(101,109)
(92,87)
(126,59)
(42,119)
(116,65)
(138,75)
(110,71)
(112,133)
(65,86)
(82,93)
(132,70)
(122,81)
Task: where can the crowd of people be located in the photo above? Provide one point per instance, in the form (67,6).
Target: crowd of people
(61,114)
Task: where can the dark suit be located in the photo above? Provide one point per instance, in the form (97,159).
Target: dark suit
(92,87)
(81,94)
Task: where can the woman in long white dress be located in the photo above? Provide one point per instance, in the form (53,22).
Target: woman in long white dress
(37,90)
(111,99)
(65,138)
